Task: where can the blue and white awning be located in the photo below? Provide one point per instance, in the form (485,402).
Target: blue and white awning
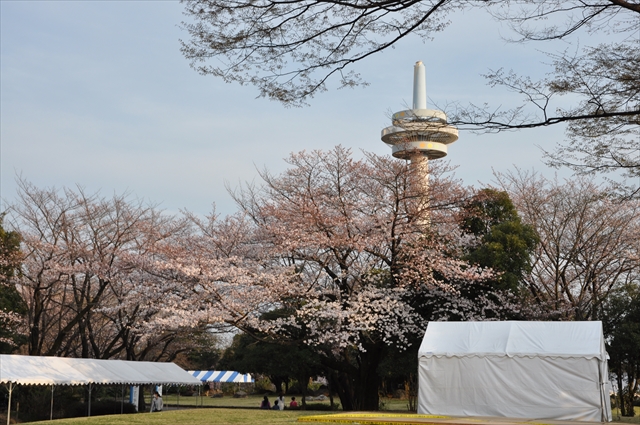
(221,376)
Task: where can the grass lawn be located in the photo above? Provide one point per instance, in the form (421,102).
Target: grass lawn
(208,417)
(217,416)
(192,416)
(629,420)
(237,415)
(172,400)
(253,400)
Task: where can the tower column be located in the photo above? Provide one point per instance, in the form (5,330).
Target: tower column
(420,182)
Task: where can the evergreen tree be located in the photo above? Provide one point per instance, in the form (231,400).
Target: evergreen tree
(505,244)
(12,306)
(621,322)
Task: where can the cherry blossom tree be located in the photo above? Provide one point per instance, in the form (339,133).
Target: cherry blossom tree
(589,241)
(78,268)
(338,248)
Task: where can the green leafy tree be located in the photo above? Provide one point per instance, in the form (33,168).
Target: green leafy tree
(399,371)
(12,306)
(505,244)
(205,353)
(277,361)
(622,327)
(281,360)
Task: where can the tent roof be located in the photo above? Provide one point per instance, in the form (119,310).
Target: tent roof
(35,370)
(221,376)
(513,338)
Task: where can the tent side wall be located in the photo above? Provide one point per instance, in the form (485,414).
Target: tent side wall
(517,387)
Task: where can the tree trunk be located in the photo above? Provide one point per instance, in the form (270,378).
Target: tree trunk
(358,388)
(277,381)
(411,390)
(632,388)
(623,410)
(303,382)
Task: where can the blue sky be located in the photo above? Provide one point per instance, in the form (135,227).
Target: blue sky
(97,94)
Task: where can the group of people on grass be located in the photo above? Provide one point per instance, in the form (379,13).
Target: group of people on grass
(278,404)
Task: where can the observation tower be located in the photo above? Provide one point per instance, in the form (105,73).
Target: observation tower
(419,134)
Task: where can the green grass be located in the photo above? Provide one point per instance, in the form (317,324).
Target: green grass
(228,401)
(237,415)
(254,400)
(218,416)
(394,404)
(625,419)
(390,404)
(191,416)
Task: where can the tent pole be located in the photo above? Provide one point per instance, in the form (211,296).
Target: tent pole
(89,411)
(602,395)
(122,400)
(51,413)
(9,409)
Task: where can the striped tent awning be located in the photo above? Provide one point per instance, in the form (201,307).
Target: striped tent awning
(221,376)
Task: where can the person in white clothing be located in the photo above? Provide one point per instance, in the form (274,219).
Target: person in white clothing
(281,401)
(156,402)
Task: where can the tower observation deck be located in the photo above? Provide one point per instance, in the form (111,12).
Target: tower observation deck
(419,133)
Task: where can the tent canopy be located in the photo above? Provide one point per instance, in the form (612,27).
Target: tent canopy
(511,338)
(35,370)
(534,370)
(221,376)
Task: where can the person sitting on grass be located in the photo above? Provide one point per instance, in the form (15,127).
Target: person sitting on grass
(281,401)
(293,403)
(275,405)
(265,403)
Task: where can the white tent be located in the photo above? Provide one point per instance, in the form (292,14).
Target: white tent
(536,370)
(35,370)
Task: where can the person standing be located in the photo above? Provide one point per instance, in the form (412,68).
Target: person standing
(156,402)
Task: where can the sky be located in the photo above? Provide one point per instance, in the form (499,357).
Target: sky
(97,94)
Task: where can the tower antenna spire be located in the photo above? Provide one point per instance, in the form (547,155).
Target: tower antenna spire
(419,86)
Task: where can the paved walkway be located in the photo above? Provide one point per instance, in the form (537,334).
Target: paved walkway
(414,419)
